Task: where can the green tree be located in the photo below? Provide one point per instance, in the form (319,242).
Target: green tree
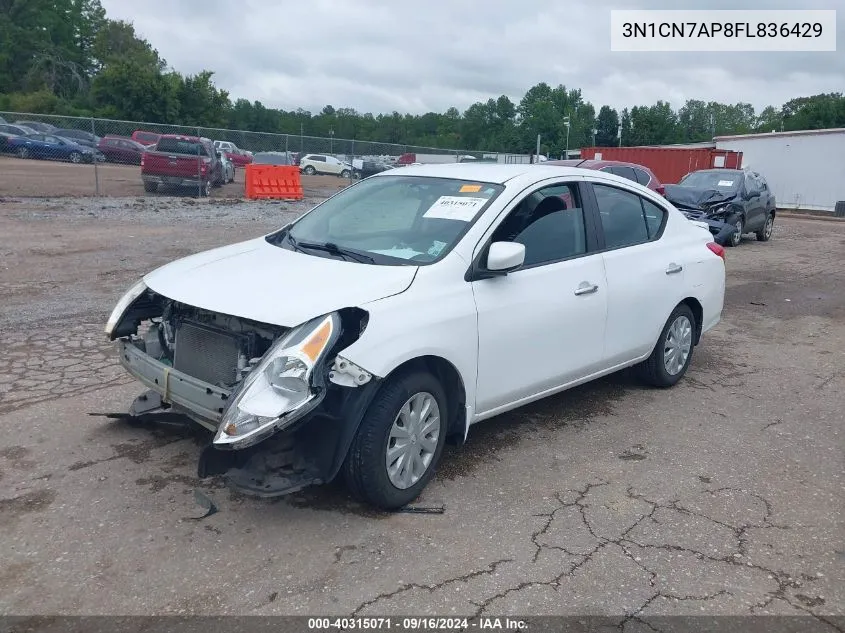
(607,127)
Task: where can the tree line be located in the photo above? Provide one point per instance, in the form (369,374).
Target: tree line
(67,57)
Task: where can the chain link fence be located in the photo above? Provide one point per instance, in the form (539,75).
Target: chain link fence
(48,155)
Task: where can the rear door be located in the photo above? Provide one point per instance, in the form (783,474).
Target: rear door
(645,277)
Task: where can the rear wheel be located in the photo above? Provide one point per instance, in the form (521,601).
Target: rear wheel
(23,152)
(399,443)
(673,352)
(150,187)
(205,189)
(345,174)
(765,234)
(310,170)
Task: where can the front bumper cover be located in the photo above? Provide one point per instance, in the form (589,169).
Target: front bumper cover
(311,450)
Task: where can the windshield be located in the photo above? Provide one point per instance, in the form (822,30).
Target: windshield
(392,219)
(719,180)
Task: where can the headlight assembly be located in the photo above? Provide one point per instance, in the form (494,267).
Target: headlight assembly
(281,388)
(125,301)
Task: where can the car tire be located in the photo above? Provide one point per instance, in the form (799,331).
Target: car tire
(366,470)
(667,363)
(309,170)
(345,174)
(205,189)
(75,157)
(23,152)
(150,187)
(765,234)
(736,237)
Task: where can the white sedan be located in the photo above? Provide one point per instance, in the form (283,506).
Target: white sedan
(409,307)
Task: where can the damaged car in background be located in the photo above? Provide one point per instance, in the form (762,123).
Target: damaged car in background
(732,202)
(407,307)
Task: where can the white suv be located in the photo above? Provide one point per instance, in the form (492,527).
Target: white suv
(321,164)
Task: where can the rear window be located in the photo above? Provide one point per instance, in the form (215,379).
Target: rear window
(642,177)
(181,146)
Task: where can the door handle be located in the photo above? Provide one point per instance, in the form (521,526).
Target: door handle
(586,289)
(674,269)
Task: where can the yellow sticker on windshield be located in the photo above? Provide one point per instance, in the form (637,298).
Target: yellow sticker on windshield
(470,189)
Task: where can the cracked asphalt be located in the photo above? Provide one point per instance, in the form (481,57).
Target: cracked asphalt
(722,496)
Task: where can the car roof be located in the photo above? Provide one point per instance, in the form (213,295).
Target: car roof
(589,163)
(484,172)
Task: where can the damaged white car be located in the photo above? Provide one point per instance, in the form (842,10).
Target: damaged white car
(408,307)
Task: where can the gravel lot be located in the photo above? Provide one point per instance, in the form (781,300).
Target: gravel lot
(721,496)
(44,178)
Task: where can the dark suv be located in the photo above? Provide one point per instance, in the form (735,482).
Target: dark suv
(631,171)
(732,202)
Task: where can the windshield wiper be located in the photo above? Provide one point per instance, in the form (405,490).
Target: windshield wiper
(333,249)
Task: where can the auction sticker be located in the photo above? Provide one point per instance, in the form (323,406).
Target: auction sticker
(455,208)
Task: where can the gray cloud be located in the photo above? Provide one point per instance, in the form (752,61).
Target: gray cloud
(378,56)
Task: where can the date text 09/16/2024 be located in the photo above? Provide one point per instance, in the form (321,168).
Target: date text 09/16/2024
(416,624)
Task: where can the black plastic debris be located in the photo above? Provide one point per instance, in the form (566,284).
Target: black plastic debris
(204,501)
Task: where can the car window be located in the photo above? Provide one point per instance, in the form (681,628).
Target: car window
(174,145)
(642,177)
(654,216)
(549,223)
(52,139)
(622,217)
(751,187)
(625,172)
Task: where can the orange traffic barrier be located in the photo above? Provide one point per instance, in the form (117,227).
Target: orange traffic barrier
(273,182)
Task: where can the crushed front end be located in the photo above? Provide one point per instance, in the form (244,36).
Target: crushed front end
(712,207)
(282,404)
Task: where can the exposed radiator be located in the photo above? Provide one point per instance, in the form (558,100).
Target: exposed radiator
(206,354)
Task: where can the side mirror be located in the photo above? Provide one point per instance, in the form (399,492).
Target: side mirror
(504,257)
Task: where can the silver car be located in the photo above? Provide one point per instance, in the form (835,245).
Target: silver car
(228,167)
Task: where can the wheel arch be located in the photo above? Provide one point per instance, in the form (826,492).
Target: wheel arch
(698,312)
(449,378)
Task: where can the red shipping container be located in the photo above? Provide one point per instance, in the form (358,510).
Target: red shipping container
(669,164)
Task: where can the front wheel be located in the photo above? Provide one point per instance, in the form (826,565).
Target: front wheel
(672,354)
(739,227)
(399,443)
(765,234)
(75,157)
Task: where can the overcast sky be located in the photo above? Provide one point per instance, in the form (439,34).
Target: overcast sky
(385,55)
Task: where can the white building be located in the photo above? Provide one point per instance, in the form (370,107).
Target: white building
(805,170)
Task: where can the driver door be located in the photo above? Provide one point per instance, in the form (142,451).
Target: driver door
(541,326)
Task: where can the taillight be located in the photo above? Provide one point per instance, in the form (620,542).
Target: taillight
(718,250)
(143,156)
(661,190)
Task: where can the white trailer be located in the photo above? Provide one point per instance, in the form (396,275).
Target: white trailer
(805,170)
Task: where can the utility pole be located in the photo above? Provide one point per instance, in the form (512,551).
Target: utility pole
(595,131)
(537,155)
(331,140)
(619,134)
(566,123)
(301,138)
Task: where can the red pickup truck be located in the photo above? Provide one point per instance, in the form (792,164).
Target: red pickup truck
(182,161)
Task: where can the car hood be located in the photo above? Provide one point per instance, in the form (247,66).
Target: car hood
(694,198)
(258,281)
